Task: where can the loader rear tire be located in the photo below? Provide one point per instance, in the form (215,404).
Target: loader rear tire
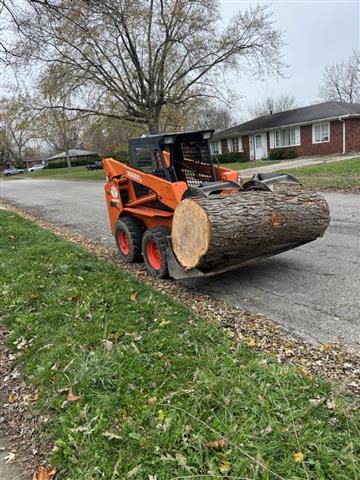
(128,236)
(154,251)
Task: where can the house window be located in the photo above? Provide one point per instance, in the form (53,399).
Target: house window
(287,137)
(235,144)
(215,147)
(258,141)
(321,132)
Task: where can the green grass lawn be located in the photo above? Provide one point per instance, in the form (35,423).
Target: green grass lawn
(342,174)
(349,167)
(153,384)
(253,164)
(80,173)
(76,173)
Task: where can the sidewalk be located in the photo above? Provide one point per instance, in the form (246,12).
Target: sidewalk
(300,162)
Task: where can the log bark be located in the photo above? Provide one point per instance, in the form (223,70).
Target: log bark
(226,230)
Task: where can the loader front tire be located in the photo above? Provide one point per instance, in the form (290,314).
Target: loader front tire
(154,251)
(128,236)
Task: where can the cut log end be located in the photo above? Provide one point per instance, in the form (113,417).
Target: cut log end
(191,233)
(224,230)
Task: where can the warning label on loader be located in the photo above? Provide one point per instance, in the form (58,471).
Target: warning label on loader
(134,176)
(114,192)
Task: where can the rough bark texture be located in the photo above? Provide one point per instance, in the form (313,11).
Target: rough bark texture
(225,230)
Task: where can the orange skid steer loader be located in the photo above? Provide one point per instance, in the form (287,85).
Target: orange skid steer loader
(162,172)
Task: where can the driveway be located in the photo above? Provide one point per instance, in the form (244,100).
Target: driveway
(294,163)
(313,291)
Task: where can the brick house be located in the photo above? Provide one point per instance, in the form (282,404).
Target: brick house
(322,129)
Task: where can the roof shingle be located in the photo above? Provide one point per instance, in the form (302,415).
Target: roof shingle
(295,116)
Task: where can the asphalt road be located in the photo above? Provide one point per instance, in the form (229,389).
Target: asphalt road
(313,291)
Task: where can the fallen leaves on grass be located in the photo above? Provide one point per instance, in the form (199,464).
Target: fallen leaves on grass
(305,373)
(21,344)
(12,397)
(136,336)
(71,398)
(44,473)
(108,345)
(250,342)
(326,347)
(133,296)
(111,436)
(335,363)
(298,457)
(216,444)
(224,466)
(73,298)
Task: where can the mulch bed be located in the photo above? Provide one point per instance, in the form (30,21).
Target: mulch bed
(330,361)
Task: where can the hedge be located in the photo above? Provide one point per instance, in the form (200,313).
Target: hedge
(76,162)
(231,157)
(282,154)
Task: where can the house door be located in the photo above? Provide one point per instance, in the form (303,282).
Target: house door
(260,141)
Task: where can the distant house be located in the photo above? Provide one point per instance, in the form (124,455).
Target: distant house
(75,155)
(321,129)
(30,162)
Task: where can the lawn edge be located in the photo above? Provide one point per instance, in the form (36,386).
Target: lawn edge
(333,363)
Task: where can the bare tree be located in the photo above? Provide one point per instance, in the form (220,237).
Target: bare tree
(6,154)
(128,59)
(271,104)
(341,81)
(59,128)
(106,135)
(17,124)
(208,115)
(5,12)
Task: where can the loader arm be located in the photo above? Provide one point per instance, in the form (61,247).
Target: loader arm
(168,193)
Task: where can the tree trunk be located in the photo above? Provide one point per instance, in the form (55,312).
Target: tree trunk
(227,230)
(68,159)
(154,122)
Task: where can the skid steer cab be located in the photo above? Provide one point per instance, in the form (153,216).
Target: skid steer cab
(143,194)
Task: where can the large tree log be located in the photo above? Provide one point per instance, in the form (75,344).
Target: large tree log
(227,230)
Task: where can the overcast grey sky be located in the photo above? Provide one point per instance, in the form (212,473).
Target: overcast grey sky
(317,33)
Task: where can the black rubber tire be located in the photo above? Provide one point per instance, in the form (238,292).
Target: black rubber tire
(157,235)
(134,229)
